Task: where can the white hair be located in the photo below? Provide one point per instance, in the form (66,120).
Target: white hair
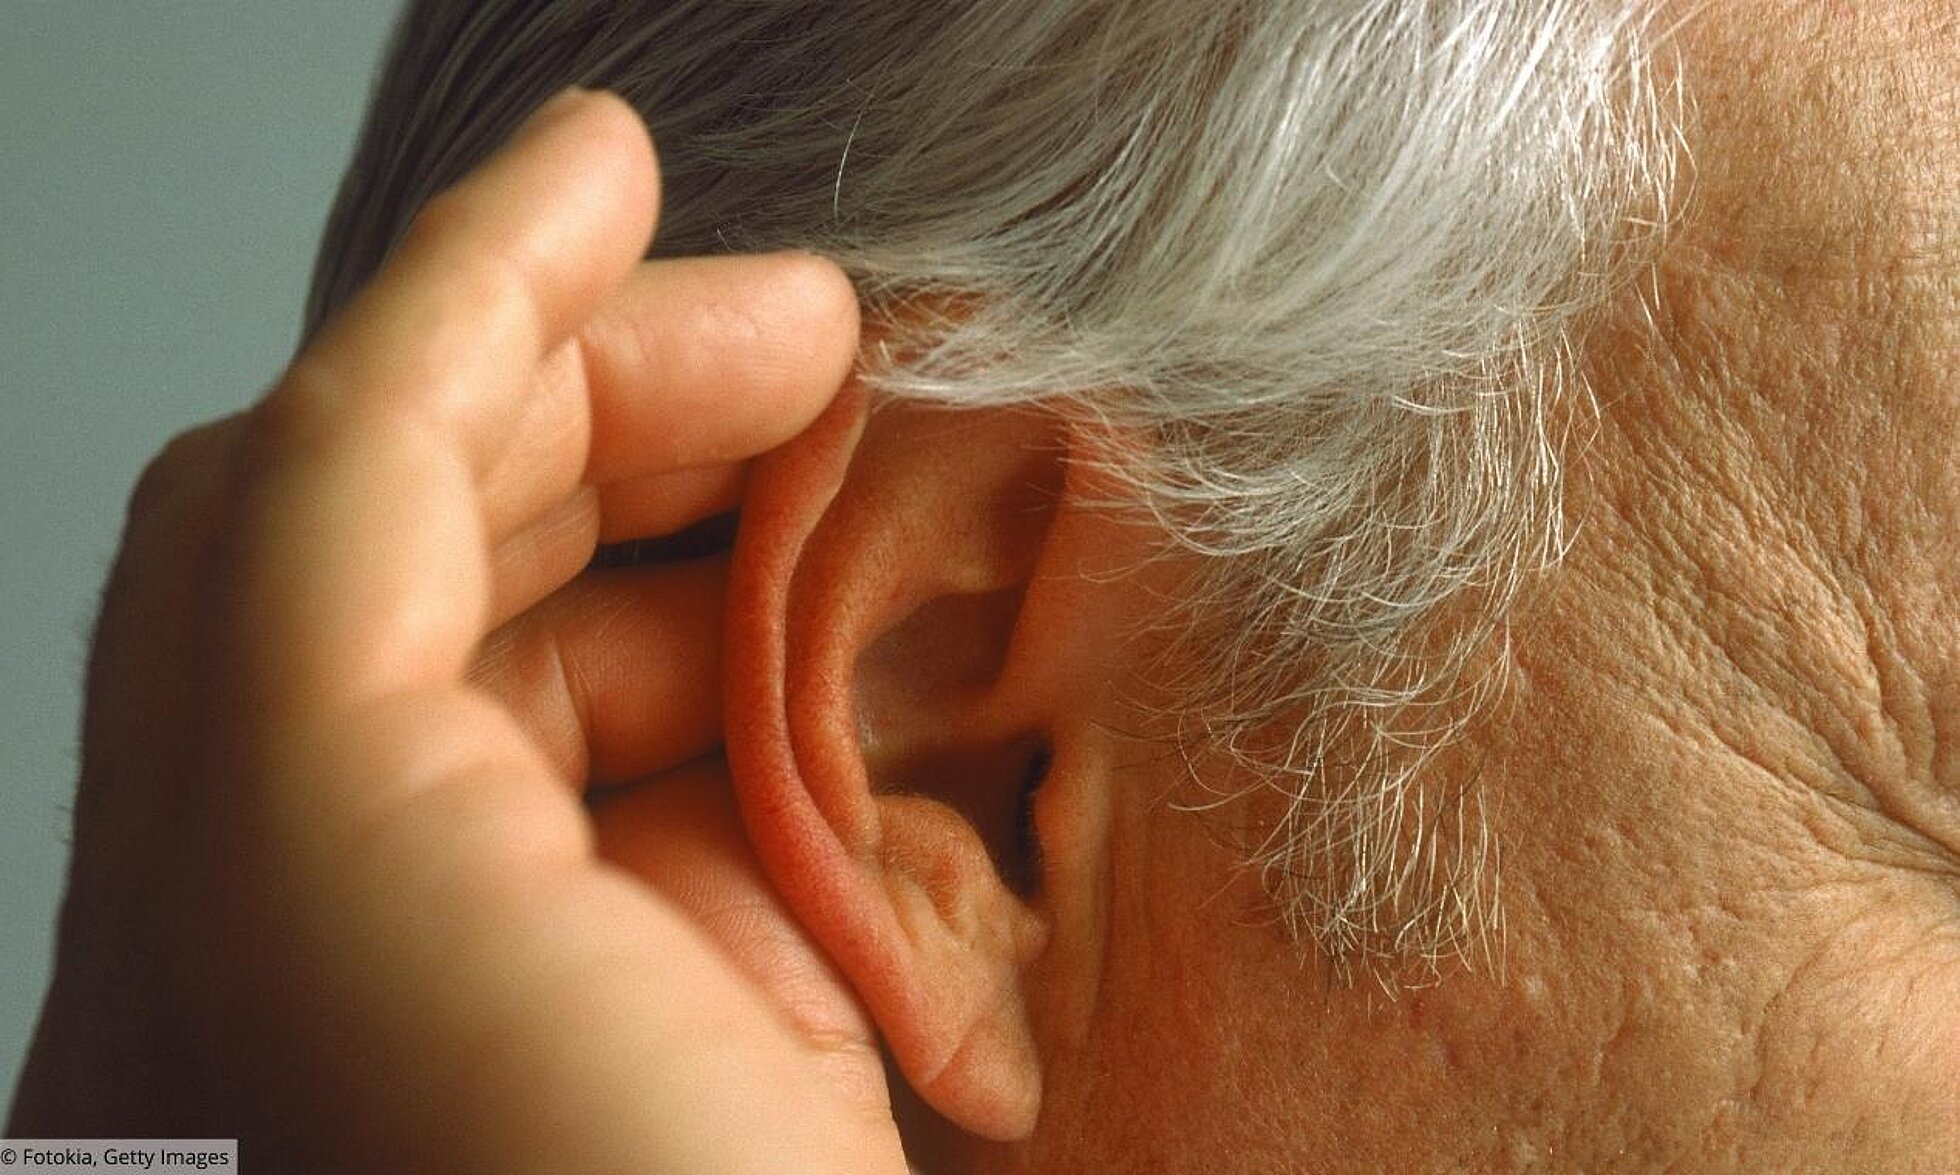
(1331,256)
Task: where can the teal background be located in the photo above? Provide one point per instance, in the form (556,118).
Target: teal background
(165,168)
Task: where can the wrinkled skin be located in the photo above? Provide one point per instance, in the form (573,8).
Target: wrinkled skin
(1723,781)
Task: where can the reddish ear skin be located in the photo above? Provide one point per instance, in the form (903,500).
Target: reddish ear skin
(900,891)
(789,491)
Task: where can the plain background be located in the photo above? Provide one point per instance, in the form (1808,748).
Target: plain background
(165,169)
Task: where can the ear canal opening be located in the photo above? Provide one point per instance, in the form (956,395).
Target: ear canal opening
(991,785)
(1025,880)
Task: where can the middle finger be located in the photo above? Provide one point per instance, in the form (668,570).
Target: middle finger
(691,363)
(618,675)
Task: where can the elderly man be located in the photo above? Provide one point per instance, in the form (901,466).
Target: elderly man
(1350,612)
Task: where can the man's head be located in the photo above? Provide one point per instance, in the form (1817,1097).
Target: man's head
(1300,278)
(1147,686)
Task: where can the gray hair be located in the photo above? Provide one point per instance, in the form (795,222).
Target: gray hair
(1332,256)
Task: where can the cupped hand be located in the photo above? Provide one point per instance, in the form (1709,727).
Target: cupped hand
(335,888)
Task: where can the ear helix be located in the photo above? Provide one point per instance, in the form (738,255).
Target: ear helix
(884,725)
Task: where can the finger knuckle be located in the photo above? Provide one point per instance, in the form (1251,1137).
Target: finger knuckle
(297,410)
(184,461)
(487,280)
(488,291)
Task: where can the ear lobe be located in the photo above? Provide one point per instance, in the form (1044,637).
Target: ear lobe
(883,717)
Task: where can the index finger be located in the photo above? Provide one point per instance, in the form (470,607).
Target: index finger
(492,274)
(358,562)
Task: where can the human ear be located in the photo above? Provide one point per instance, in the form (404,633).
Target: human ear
(892,698)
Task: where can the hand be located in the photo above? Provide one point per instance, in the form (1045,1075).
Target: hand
(334,889)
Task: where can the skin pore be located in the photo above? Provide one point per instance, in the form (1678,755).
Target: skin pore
(1723,780)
